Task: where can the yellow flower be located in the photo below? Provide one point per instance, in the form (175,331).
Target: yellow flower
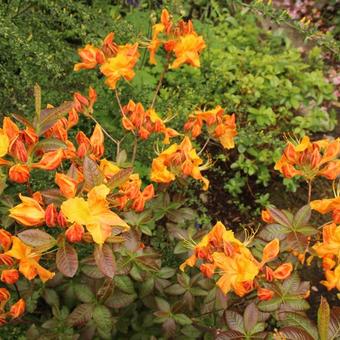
(331,241)
(93,213)
(332,279)
(107,168)
(4,143)
(28,261)
(28,213)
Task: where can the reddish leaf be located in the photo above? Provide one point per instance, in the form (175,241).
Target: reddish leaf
(92,173)
(80,315)
(119,178)
(67,260)
(36,238)
(234,321)
(50,144)
(279,216)
(294,333)
(334,323)
(230,335)
(302,217)
(250,317)
(105,260)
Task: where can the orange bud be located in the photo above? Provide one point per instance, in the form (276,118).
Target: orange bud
(283,271)
(4,294)
(18,149)
(66,184)
(10,276)
(19,173)
(187,167)
(51,216)
(38,197)
(74,233)
(148,192)
(50,160)
(62,222)
(10,128)
(270,251)
(5,239)
(264,294)
(266,217)
(269,274)
(207,269)
(97,141)
(6,260)
(17,309)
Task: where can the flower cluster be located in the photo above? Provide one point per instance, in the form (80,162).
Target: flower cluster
(178,161)
(179,39)
(144,122)
(219,125)
(222,254)
(328,205)
(116,61)
(310,159)
(329,251)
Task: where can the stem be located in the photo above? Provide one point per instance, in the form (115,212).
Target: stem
(204,146)
(119,102)
(104,131)
(134,151)
(309,191)
(17,290)
(165,69)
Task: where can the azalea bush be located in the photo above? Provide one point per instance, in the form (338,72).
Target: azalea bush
(92,246)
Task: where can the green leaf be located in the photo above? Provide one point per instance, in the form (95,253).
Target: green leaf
(166,273)
(51,297)
(295,319)
(67,260)
(120,300)
(84,293)
(125,284)
(272,231)
(147,287)
(80,315)
(162,305)
(279,217)
(175,289)
(102,318)
(323,319)
(302,217)
(270,305)
(182,319)
(49,144)
(92,271)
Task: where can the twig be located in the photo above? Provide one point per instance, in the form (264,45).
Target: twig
(204,146)
(134,151)
(309,191)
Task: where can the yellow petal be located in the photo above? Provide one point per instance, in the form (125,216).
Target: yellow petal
(76,210)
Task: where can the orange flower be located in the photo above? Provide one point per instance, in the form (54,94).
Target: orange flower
(121,65)
(310,159)
(220,126)
(331,241)
(283,271)
(28,213)
(74,233)
(19,173)
(50,160)
(181,39)
(9,276)
(94,213)
(5,239)
(270,251)
(28,261)
(332,279)
(108,168)
(17,309)
(265,294)
(266,217)
(66,184)
(325,206)
(178,160)
(90,56)
(235,270)
(51,216)
(4,295)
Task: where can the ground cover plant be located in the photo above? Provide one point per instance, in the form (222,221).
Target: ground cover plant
(142,203)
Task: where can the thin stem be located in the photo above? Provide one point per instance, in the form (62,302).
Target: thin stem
(309,191)
(134,151)
(104,131)
(204,146)
(17,290)
(119,102)
(165,69)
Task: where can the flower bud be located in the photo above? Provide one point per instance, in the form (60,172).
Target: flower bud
(19,173)
(17,309)
(51,215)
(264,294)
(9,276)
(74,233)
